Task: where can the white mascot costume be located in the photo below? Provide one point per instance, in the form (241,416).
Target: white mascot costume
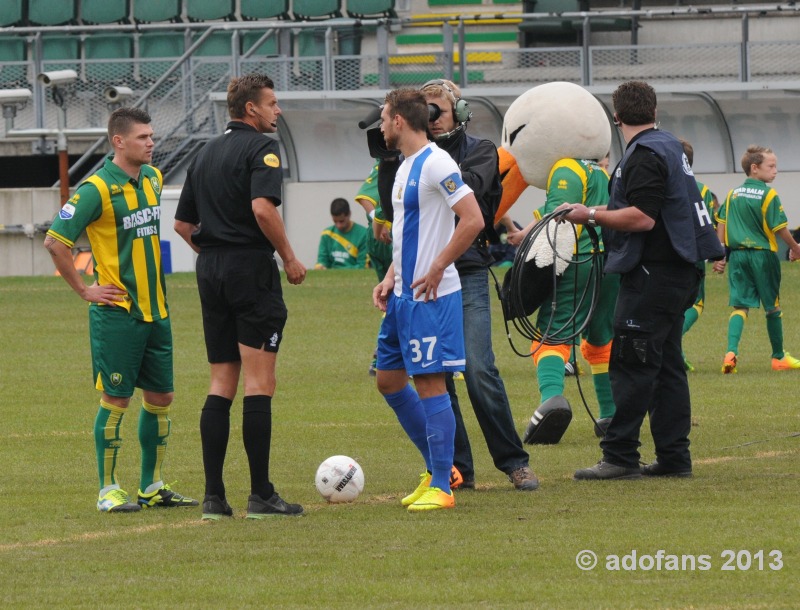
(543,127)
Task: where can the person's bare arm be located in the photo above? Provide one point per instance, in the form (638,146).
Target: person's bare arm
(470,223)
(107,294)
(271,224)
(185,230)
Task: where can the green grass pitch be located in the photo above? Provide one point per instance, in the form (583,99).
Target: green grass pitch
(499,548)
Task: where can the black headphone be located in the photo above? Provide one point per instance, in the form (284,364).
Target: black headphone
(461,111)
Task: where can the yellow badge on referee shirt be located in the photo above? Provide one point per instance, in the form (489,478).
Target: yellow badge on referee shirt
(271,160)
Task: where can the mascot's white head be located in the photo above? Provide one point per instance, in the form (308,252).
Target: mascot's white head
(551,122)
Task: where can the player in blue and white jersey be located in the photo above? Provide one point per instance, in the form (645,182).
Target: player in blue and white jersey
(422,334)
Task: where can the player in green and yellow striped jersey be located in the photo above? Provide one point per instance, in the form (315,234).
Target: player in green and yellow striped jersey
(747,223)
(129,326)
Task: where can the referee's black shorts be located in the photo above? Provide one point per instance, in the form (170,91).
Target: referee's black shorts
(242,301)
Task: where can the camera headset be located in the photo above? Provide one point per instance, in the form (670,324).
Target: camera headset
(461,111)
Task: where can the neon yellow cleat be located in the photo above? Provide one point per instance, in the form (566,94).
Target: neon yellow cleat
(116,501)
(786,363)
(433,499)
(424,485)
(164,497)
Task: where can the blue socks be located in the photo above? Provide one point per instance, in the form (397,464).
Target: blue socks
(411,415)
(441,431)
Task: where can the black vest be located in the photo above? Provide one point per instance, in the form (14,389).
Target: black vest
(685,216)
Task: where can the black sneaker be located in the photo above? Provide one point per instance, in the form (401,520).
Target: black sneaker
(603,471)
(657,470)
(258,508)
(215,508)
(523,479)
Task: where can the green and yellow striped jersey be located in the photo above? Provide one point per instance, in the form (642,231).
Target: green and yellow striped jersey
(122,219)
(576,181)
(752,213)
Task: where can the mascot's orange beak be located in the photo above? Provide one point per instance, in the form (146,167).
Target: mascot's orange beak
(513,183)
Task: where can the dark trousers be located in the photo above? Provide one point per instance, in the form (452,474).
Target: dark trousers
(485,387)
(646,368)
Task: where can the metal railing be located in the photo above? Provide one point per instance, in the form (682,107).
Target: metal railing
(175,90)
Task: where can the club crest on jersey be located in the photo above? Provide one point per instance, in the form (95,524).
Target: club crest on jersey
(115,378)
(67,212)
(155,184)
(687,169)
(116,189)
(271,160)
(452,183)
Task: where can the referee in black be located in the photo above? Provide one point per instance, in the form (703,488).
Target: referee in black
(227,213)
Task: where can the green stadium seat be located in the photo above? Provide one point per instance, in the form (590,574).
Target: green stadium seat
(11,13)
(253,10)
(210,10)
(268,46)
(309,10)
(116,47)
(13,50)
(216,45)
(370,9)
(105,11)
(60,52)
(149,11)
(50,12)
(158,51)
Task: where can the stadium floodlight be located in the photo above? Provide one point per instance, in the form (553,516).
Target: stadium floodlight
(117,94)
(57,78)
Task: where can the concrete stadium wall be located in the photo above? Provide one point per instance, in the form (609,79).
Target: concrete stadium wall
(305,213)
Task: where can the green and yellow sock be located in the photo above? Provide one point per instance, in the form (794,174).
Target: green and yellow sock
(154,427)
(735,328)
(108,442)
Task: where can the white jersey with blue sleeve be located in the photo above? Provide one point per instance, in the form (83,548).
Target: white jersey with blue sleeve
(427,185)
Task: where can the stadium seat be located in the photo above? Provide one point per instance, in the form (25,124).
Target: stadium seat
(560,30)
(209,10)
(12,58)
(11,13)
(61,52)
(158,51)
(253,10)
(47,12)
(268,46)
(104,11)
(311,10)
(150,11)
(370,9)
(117,47)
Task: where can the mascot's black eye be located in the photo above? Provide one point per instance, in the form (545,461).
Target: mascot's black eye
(514,133)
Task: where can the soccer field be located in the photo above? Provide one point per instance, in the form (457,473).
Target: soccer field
(735,523)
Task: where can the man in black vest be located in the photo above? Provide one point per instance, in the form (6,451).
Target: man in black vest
(655,228)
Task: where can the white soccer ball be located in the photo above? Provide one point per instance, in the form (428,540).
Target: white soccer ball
(339,479)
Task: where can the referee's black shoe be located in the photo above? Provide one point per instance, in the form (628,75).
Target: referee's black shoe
(657,470)
(258,508)
(604,471)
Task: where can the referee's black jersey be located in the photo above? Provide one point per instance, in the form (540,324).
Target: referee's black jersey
(221,183)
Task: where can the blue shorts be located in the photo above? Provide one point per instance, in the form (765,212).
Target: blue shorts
(422,338)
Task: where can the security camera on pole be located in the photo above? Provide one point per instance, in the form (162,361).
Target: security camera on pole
(12,100)
(56,79)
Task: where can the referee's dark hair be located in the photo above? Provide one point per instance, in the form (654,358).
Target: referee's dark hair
(339,207)
(246,89)
(411,105)
(122,119)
